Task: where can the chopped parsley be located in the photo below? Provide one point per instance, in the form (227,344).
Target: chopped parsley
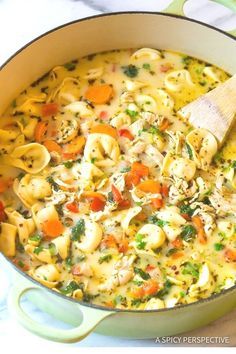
(119,299)
(53,183)
(136,302)
(130,70)
(20,175)
(80,258)
(38,249)
(36,238)
(154,220)
(105,258)
(93,160)
(72,286)
(68,164)
(189,151)
(171,251)
(186,60)
(70,66)
(154,130)
(165,290)
(132,114)
(52,249)
(125,169)
(186,209)
(141,273)
(78,230)
(218,247)
(190,268)
(188,233)
(139,240)
(146,66)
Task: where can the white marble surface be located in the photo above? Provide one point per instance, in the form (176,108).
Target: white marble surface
(20,22)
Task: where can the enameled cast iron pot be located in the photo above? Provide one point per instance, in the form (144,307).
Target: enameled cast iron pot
(169,30)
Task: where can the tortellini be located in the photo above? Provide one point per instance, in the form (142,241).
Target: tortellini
(44,255)
(9,139)
(68,91)
(203,146)
(47,275)
(92,237)
(8,234)
(177,80)
(179,167)
(102,149)
(120,120)
(134,85)
(204,284)
(155,304)
(30,189)
(31,158)
(67,128)
(152,237)
(80,107)
(43,213)
(25,227)
(149,53)
(27,126)
(146,103)
(62,244)
(173,222)
(31,105)
(164,100)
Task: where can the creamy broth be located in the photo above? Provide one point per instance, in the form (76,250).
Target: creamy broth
(106,194)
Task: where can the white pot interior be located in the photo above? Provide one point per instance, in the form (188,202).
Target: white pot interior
(129,30)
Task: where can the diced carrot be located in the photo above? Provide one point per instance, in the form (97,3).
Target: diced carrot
(138,293)
(52,146)
(49,109)
(108,241)
(164,125)
(165,190)
(103,115)
(123,246)
(230,255)
(125,133)
(124,204)
(3,186)
(177,243)
(99,94)
(177,255)
(75,146)
(52,228)
(73,207)
(117,196)
(157,203)
(149,186)
(104,129)
(97,204)
(131,179)
(197,221)
(140,169)
(40,131)
(92,195)
(68,156)
(3,215)
(142,216)
(151,287)
(201,236)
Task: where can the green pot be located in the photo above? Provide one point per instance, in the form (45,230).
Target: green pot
(78,38)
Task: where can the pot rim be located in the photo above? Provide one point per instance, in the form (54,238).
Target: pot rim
(91,305)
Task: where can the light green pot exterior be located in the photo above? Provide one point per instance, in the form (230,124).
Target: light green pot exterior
(124,30)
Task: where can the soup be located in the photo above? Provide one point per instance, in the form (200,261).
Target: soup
(106,194)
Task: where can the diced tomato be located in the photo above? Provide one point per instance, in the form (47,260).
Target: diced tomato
(177,243)
(68,156)
(140,169)
(117,196)
(230,255)
(124,204)
(49,109)
(157,203)
(108,241)
(164,125)
(123,246)
(149,268)
(97,204)
(3,215)
(76,270)
(73,207)
(165,190)
(131,179)
(186,216)
(103,115)
(165,67)
(125,133)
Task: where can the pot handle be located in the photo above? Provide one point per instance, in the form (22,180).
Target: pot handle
(91,318)
(177,8)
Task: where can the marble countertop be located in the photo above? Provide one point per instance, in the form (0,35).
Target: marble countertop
(23,20)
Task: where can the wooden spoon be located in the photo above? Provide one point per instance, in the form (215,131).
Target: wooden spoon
(214,111)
